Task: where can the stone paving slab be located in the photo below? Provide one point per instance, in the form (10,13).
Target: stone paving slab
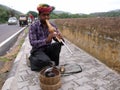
(94,75)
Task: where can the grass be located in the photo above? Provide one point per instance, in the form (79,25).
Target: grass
(90,35)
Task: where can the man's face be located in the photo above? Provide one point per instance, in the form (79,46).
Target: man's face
(44,16)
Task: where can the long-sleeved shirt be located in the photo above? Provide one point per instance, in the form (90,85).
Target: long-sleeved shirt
(38,34)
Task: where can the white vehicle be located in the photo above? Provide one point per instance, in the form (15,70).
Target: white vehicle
(12,21)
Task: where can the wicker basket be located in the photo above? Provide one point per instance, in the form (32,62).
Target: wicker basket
(50,87)
(50,80)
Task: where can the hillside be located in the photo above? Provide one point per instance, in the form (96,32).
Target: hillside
(112,13)
(6,12)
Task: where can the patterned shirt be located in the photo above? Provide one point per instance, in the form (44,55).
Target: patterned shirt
(38,34)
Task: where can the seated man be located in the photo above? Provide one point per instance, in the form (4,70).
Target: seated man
(40,37)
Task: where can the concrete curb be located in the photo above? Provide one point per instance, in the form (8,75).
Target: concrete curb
(11,79)
(5,45)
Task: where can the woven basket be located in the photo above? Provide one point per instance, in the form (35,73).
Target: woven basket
(50,87)
(50,80)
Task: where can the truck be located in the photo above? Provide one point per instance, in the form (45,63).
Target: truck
(23,20)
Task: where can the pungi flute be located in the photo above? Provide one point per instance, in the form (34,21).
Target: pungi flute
(52,29)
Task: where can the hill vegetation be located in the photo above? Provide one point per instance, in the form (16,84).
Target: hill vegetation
(113,13)
(6,12)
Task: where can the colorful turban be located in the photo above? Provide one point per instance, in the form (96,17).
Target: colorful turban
(45,8)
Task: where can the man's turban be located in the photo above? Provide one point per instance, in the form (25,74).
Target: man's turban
(45,8)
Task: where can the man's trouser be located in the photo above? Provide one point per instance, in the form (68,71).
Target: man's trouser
(42,57)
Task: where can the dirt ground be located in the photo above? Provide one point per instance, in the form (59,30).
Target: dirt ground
(7,59)
(4,71)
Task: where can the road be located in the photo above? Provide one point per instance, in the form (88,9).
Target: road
(7,30)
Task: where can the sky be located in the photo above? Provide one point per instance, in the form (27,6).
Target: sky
(72,6)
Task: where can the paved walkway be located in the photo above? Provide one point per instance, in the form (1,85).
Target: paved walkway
(95,75)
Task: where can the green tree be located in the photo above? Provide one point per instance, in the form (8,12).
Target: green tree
(35,14)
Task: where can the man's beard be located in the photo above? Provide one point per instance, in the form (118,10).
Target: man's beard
(43,21)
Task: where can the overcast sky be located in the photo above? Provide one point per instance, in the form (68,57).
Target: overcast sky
(73,6)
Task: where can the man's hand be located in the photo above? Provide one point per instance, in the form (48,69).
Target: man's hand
(49,38)
(59,36)
(53,35)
